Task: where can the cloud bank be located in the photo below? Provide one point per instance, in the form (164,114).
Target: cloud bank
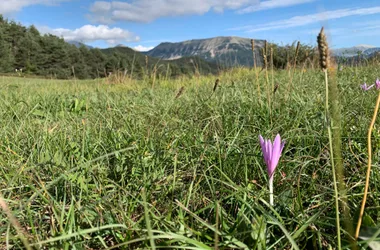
(10,6)
(91,33)
(298,21)
(150,10)
(142,48)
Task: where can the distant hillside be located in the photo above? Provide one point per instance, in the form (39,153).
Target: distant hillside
(372,51)
(185,65)
(365,50)
(357,54)
(228,51)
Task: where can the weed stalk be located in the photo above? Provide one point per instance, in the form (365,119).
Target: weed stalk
(368,167)
(255,68)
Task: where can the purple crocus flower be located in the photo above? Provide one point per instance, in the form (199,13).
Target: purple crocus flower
(365,87)
(377,83)
(272,153)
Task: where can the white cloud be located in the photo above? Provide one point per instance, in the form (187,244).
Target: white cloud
(10,6)
(298,21)
(149,10)
(142,48)
(91,33)
(272,4)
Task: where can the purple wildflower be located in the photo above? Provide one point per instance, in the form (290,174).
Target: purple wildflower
(377,83)
(272,153)
(365,87)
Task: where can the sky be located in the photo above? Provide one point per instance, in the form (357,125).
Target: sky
(143,24)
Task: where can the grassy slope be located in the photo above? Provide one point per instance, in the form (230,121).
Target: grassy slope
(81,157)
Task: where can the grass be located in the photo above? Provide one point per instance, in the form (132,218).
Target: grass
(91,165)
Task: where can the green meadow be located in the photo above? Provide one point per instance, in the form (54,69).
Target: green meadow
(93,164)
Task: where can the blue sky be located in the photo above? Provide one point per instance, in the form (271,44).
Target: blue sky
(143,24)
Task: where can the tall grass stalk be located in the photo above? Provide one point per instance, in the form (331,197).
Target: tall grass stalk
(147,220)
(73,71)
(272,66)
(368,168)
(146,64)
(325,62)
(335,125)
(265,59)
(294,67)
(338,158)
(133,65)
(216,235)
(255,69)
(154,76)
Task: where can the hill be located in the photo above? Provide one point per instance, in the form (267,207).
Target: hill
(186,65)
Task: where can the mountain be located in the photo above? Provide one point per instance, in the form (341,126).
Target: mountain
(370,52)
(357,54)
(228,51)
(80,44)
(362,49)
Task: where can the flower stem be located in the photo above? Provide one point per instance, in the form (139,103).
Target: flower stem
(271,202)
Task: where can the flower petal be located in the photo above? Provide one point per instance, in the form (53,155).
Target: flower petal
(276,153)
(262,142)
(263,147)
(269,153)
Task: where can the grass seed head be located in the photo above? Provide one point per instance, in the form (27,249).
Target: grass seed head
(323,47)
(180,92)
(265,59)
(298,48)
(216,85)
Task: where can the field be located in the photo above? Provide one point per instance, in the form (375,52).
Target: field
(94,165)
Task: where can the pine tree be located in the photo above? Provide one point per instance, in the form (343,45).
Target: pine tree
(6,56)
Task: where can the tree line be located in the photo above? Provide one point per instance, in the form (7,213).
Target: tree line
(25,48)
